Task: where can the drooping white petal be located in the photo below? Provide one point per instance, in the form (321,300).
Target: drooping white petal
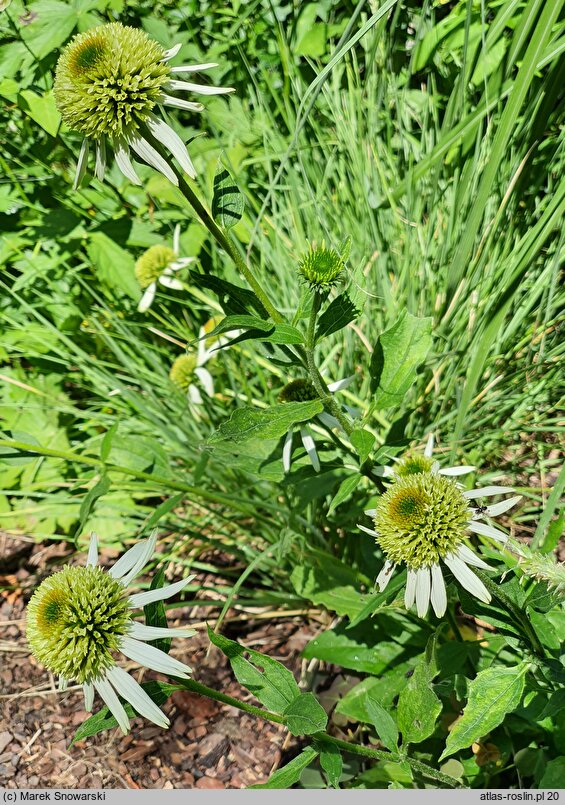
(328,420)
(454,471)
(310,447)
(169,54)
(410,591)
(385,575)
(143,632)
(100,165)
(383,471)
(121,153)
(171,140)
(134,560)
(471,558)
(88,691)
(354,413)
(423,588)
(338,385)
(168,281)
(503,506)
(141,599)
(429,448)
(152,657)
(181,262)
(367,530)
(194,395)
(146,151)
(112,702)
(438,595)
(63,683)
(81,163)
(176,235)
(147,299)
(486,530)
(169,100)
(206,379)
(92,558)
(201,89)
(370,512)
(133,693)
(193,68)
(486,491)
(287,451)
(467,578)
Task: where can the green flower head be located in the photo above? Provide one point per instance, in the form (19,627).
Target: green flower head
(182,371)
(153,263)
(299,390)
(321,268)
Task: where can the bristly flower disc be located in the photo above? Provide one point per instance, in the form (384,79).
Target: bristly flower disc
(321,268)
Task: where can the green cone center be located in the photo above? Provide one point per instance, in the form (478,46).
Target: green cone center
(152,264)
(300,390)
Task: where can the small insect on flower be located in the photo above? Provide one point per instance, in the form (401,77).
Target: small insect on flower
(80,617)
(108,83)
(424,520)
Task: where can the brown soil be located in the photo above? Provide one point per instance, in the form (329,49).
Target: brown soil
(208,745)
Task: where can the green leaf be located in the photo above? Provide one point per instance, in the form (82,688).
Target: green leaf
(164,508)
(354,650)
(337,315)
(115,267)
(305,715)
(290,774)
(363,441)
(274,685)
(378,600)
(331,762)
(418,706)
(267,423)
(325,580)
(101,487)
(41,109)
(107,439)
(104,720)
(382,721)
(51,24)
(156,614)
(258,329)
(493,693)
(233,299)
(227,203)
(345,490)
(553,775)
(397,354)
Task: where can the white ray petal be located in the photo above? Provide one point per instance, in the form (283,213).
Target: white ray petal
(438,595)
(92,558)
(467,578)
(100,165)
(121,153)
(169,100)
(194,395)
(503,506)
(141,599)
(153,658)
(328,420)
(81,163)
(341,384)
(383,471)
(486,530)
(147,299)
(287,451)
(176,233)
(134,559)
(181,262)
(370,512)
(464,469)
(63,683)
(423,588)
(169,54)
(112,702)
(143,632)
(310,447)
(88,691)
(193,68)
(171,140)
(487,491)
(170,282)
(429,448)
(132,692)
(385,575)
(201,89)
(206,379)
(470,558)
(146,151)
(367,530)
(410,591)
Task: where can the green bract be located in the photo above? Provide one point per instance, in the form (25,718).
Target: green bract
(109,79)
(75,621)
(421,519)
(321,267)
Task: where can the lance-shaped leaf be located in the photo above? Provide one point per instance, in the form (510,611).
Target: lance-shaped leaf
(397,354)
(266,423)
(337,315)
(227,201)
(290,774)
